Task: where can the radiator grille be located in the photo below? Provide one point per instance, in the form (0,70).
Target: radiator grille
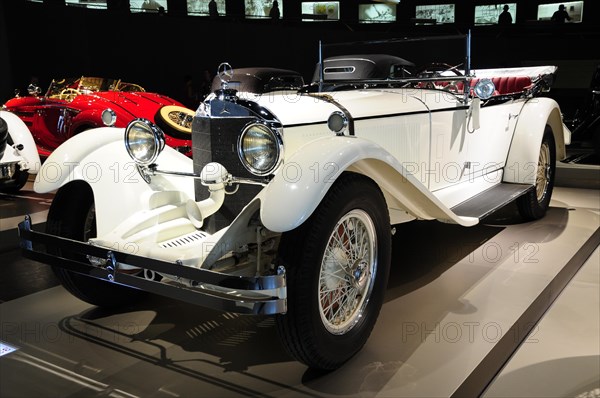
(215,140)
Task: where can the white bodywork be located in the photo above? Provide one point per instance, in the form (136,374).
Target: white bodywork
(98,157)
(27,158)
(427,150)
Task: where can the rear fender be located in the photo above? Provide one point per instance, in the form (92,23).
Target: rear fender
(98,157)
(537,113)
(300,185)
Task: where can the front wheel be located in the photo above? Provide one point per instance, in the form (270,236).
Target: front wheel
(72,215)
(337,270)
(534,204)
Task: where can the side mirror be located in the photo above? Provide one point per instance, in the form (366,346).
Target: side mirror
(17,93)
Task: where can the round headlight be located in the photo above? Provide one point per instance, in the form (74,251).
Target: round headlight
(484,88)
(109,117)
(144,141)
(260,148)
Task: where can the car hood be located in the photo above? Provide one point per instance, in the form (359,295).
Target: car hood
(295,109)
(18,102)
(138,104)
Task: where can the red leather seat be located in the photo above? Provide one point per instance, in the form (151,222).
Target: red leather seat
(511,84)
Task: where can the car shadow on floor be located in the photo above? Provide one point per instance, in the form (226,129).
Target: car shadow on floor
(211,346)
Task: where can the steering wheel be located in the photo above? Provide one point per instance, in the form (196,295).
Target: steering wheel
(68,94)
(435,69)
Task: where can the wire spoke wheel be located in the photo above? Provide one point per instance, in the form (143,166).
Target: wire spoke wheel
(337,266)
(534,204)
(175,121)
(543,172)
(182,119)
(347,272)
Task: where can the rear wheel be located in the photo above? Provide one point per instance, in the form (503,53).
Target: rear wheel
(534,204)
(337,266)
(72,215)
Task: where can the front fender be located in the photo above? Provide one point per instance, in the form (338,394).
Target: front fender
(98,157)
(298,188)
(522,160)
(28,157)
(60,166)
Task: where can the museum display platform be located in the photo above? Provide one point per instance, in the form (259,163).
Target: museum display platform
(460,303)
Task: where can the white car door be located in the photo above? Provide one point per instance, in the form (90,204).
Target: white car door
(488,145)
(450,139)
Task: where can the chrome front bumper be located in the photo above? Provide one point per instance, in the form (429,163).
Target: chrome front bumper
(241,294)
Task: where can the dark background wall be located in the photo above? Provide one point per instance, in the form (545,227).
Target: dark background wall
(6,82)
(50,40)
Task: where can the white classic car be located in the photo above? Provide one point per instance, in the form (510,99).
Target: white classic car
(288,203)
(18,154)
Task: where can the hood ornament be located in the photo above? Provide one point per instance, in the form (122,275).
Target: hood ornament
(225,73)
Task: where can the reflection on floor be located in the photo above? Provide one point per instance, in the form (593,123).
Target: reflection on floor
(454,295)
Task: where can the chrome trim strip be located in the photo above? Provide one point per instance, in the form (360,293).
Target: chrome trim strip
(231,180)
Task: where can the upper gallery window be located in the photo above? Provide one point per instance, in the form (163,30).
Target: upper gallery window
(320,10)
(261,8)
(371,13)
(440,13)
(200,7)
(574,10)
(147,5)
(488,14)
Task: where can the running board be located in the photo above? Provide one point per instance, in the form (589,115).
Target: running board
(491,200)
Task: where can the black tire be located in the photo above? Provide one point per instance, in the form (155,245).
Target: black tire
(596,140)
(534,204)
(307,330)
(175,121)
(72,216)
(17,182)
(3,136)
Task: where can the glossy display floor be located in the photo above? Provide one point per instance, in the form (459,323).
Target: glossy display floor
(501,309)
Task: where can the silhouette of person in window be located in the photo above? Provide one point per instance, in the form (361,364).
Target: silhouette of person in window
(505,18)
(560,15)
(212,9)
(275,13)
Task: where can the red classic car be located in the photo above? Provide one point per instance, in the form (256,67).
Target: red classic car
(76,104)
